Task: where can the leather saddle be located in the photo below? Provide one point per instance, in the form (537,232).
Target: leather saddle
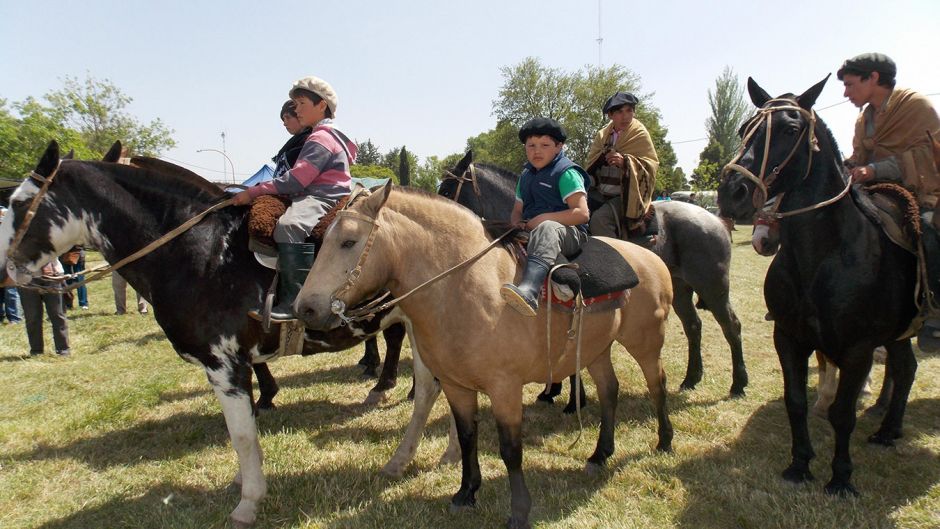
(602,274)
(894,209)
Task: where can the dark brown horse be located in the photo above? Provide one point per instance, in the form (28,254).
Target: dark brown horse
(837,283)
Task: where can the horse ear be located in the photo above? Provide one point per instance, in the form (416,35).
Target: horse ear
(759,96)
(49,160)
(70,155)
(464,163)
(374,202)
(114,153)
(808,98)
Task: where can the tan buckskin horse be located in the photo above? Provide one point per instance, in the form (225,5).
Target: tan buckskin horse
(469,338)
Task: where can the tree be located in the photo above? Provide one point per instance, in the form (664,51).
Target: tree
(372,171)
(729,109)
(392,160)
(428,175)
(575,99)
(404,167)
(96,110)
(368,153)
(708,173)
(85,117)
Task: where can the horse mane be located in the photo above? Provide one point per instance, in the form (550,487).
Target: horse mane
(176,171)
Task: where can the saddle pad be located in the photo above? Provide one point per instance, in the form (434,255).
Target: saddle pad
(601,270)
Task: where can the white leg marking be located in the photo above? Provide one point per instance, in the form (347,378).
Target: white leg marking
(236,407)
(426,392)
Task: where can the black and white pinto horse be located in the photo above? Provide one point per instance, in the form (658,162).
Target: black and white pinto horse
(692,242)
(200,284)
(268,388)
(837,283)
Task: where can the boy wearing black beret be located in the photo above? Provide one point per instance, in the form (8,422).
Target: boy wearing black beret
(551,202)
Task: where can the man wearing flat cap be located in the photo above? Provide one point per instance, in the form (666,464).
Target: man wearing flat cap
(891,144)
(623,163)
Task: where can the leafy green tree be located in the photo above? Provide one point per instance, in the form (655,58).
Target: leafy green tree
(575,99)
(729,108)
(404,167)
(428,175)
(368,153)
(392,160)
(97,111)
(85,117)
(372,171)
(708,173)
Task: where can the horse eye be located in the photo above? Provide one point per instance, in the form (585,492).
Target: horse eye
(348,244)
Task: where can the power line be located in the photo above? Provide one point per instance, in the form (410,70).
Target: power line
(180,162)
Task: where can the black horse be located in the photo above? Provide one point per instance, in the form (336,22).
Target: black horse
(200,284)
(836,284)
(693,243)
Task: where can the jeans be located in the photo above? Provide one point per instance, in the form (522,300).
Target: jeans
(10,305)
(82,291)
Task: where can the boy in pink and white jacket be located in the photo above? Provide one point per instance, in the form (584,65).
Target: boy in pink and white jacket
(318,179)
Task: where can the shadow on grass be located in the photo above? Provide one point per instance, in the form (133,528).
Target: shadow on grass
(740,485)
(339,497)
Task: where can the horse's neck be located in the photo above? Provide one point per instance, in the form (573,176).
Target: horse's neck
(125,218)
(497,196)
(817,234)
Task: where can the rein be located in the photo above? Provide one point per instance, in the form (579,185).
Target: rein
(763,180)
(368,311)
(99,272)
(471,170)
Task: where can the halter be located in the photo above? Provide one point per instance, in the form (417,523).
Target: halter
(31,212)
(100,271)
(369,310)
(471,170)
(763,181)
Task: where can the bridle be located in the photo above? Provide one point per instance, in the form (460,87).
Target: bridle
(765,209)
(20,232)
(469,175)
(100,271)
(369,310)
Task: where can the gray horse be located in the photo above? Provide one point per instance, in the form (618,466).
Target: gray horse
(692,242)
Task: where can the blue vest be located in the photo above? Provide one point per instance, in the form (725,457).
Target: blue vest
(539,189)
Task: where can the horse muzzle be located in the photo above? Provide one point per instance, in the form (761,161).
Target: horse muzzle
(317,313)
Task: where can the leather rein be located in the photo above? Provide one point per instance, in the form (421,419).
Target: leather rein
(98,272)
(767,210)
(369,310)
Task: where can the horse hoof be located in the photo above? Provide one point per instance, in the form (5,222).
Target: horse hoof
(797,475)
(843,490)
(370,372)
(572,408)
(393,470)
(513,523)
(547,399)
(375,398)
(876,410)
(241,525)
(687,385)
(884,438)
(593,469)
(266,406)
(737,391)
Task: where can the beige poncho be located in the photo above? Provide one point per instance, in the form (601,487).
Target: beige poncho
(901,131)
(639,160)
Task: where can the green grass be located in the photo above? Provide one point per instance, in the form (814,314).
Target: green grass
(125,434)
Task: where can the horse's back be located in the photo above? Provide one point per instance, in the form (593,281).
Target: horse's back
(692,235)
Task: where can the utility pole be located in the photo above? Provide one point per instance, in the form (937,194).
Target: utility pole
(600,38)
(226,155)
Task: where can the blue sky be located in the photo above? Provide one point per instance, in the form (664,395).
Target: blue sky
(425,73)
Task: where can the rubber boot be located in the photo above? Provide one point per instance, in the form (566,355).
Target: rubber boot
(525,297)
(293,263)
(928,339)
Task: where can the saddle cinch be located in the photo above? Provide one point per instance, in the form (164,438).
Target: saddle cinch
(602,277)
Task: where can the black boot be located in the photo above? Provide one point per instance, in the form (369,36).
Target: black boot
(293,263)
(525,297)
